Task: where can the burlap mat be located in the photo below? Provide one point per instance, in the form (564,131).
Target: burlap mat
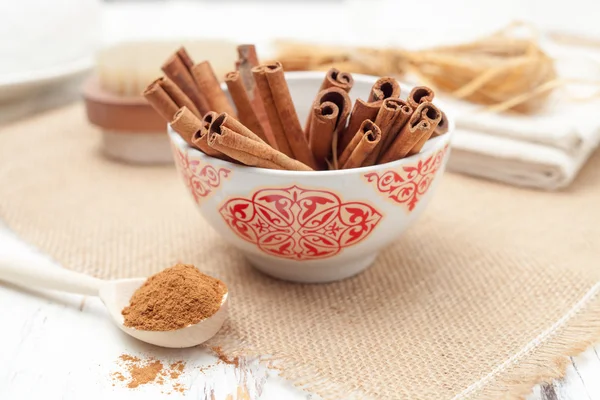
(483,298)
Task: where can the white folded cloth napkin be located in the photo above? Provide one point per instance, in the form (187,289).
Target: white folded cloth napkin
(544,150)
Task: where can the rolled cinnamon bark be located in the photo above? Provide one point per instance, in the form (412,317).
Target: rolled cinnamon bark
(209,86)
(175,68)
(186,124)
(178,96)
(361,146)
(282,115)
(384,88)
(236,141)
(245,111)
(386,121)
(260,77)
(401,119)
(160,101)
(431,114)
(418,95)
(228,121)
(361,111)
(200,139)
(442,126)
(414,134)
(248,59)
(324,118)
(287,115)
(333,78)
(185,58)
(324,141)
(208,118)
(155,95)
(190,128)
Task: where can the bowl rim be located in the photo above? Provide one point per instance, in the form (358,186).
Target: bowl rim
(432,145)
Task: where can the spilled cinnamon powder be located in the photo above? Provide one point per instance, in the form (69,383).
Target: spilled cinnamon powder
(176,369)
(140,375)
(173,299)
(128,358)
(117,376)
(138,372)
(235,361)
(178,387)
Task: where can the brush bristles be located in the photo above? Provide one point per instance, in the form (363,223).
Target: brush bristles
(125,69)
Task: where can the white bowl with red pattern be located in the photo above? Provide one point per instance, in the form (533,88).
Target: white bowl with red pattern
(318,226)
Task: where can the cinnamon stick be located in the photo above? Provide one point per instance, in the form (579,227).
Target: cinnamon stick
(248,59)
(415,133)
(186,124)
(228,121)
(175,68)
(384,88)
(160,101)
(245,111)
(323,141)
(431,114)
(385,120)
(287,115)
(333,78)
(324,117)
(260,77)
(442,126)
(209,86)
(233,139)
(418,95)
(361,146)
(282,113)
(185,57)
(402,118)
(361,111)
(190,129)
(166,98)
(200,139)
(208,118)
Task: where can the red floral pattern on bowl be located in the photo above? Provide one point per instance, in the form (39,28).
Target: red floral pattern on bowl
(409,183)
(298,223)
(201,179)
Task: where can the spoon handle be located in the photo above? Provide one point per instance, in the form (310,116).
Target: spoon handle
(39,272)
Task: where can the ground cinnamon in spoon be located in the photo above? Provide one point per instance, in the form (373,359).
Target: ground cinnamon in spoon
(174,298)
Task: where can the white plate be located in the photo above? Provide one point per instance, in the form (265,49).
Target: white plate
(15,86)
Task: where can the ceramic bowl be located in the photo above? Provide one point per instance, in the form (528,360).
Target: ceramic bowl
(313,226)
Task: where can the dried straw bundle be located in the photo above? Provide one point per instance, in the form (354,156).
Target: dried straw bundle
(502,70)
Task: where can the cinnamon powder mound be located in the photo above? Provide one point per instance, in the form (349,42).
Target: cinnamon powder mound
(173,299)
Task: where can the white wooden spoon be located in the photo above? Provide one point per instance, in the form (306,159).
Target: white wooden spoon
(37,272)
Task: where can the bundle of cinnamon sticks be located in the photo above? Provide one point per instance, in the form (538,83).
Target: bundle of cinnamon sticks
(261,128)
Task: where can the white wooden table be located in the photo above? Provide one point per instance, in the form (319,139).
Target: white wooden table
(61,346)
